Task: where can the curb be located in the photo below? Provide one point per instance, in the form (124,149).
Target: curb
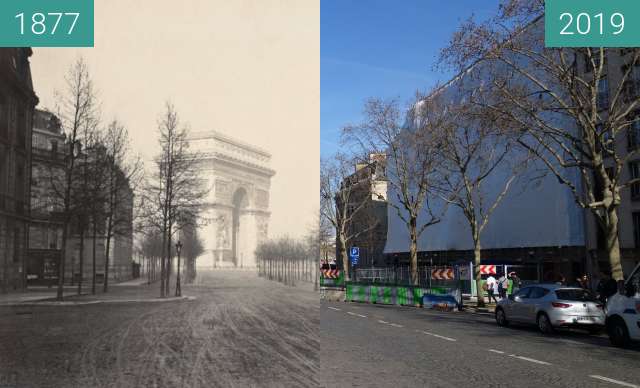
(79,303)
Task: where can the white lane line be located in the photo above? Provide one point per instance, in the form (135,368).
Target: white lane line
(624,384)
(496,351)
(383,322)
(357,315)
(529,359)
(333,308)
(439,336)
(395,325)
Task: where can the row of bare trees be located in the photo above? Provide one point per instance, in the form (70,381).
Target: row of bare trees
(172,199)
(98,178)
(150,250)
(515,104)
(288,261)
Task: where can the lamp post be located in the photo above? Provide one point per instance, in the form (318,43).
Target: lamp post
(178,249)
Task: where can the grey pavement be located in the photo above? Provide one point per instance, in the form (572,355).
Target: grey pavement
(389,346)
(240,331)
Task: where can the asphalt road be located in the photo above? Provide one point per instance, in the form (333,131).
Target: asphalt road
(240,331)
(388,346)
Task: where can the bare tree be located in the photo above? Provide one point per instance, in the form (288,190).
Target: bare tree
(569,103)
(343,197)
(78,110)
(193,247)
(480,163)
(122,176)
(176,193)
(412,159)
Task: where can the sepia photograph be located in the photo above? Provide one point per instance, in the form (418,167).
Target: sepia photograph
(158,206)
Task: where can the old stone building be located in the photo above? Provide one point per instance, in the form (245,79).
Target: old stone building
(368,225)
(237,209)
(17,102)
(45,233)
(45,230)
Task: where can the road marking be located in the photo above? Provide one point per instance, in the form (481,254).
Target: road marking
(395,325)
(496,351)
(357,315)
(529,359)
(614,381)
(384,322)
(439,336)
(333,308)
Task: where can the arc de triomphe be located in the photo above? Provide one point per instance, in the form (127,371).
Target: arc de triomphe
(237,209)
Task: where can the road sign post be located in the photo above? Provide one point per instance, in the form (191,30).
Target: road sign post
(354,255)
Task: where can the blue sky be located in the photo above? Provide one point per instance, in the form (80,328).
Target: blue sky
(381,48)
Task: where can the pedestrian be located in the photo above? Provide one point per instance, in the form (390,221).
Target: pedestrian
(492,288)
(516,283)
(607,287)
(583,282)
(503,286)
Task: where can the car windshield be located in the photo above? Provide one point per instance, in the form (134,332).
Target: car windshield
(576,294)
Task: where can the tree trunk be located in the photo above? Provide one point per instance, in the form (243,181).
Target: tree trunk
(81,259)
(163,261)
(345,259)
(476,270)
(413,250)
(63,253)
(93,257)
(613,244)
(106,262)
(167,286)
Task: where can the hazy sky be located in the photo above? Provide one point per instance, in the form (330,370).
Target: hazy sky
(382,48)
(246,68)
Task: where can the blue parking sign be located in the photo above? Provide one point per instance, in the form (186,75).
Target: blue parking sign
(354,254)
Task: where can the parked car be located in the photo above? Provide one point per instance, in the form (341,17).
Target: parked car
(551,306)
(623,312)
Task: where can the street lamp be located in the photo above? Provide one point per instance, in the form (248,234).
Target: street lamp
(178,249)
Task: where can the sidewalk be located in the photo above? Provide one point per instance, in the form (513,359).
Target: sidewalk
(136,290)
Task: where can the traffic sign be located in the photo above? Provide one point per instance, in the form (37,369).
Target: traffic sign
(488,269)
(354,254)
(442,274)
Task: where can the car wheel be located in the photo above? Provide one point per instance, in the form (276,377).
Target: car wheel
(501,318)
(544,324)
(618,333)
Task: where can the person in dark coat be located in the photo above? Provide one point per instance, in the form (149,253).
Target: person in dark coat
(607,287)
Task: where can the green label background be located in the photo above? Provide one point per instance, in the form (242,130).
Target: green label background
(82,36)
(629,37)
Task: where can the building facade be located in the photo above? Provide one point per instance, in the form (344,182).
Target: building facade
(45,232)
(538,230)
(17,102)
(368,225)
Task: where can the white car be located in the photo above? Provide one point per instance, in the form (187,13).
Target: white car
(623,312)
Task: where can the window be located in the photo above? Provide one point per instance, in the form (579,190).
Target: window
(636,228)
(634,173)
(575,295)
(633,134)
(595,56)
(16,245)
(523,293)
(603,94)
(607,140)
(538,292)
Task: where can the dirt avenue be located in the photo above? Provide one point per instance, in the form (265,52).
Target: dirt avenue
(240,331)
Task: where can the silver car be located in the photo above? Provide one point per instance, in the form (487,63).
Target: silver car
(552,306)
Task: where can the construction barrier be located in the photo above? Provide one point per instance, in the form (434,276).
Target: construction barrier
(405,296)
(331,278)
